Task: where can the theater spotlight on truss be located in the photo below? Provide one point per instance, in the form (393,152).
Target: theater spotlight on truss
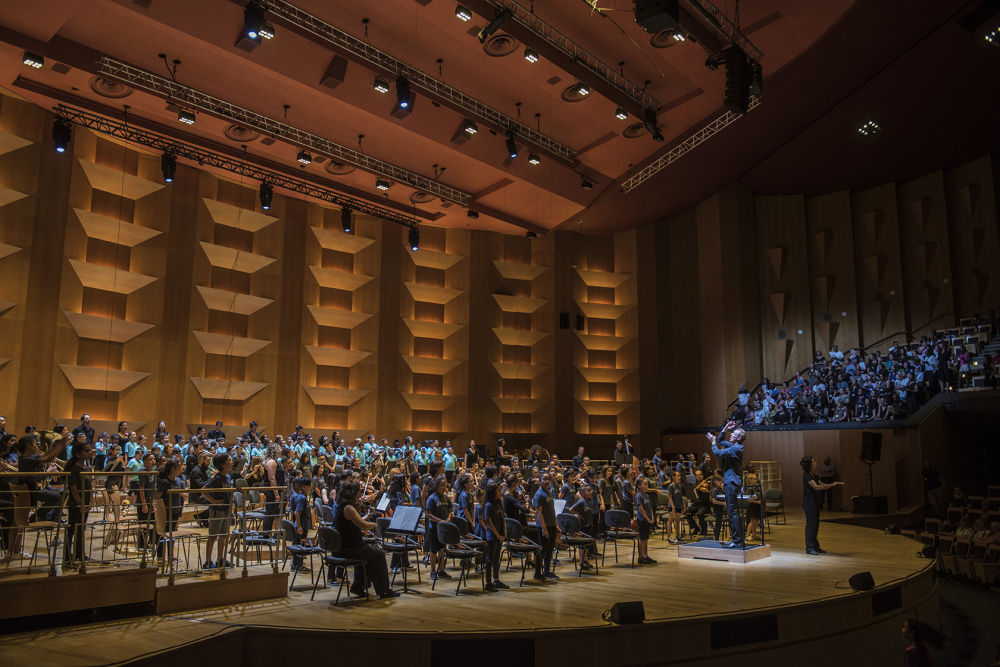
(414,238)
(345,219)
(495,24)
(531,55)
(253,20)
(266,194)
(62,133)
(304,158)
(32,59)
(621,114)
(381,184)
(168,165)
(469,126)
(186,116)
(511,145)
(402,92)
(463,12)
(533,158)
(381,85)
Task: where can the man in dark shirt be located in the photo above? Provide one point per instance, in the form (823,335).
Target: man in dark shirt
(198,478)
(578,459)
(194,455)
(217,433)
(730,455)
(84,428)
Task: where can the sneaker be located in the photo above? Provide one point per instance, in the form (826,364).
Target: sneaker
(500,586)
(389,594)
(586,566)
(650,560)
(641,560)
(671,540)
(444,575)
(539,577)
(395,570)
(209,565)
(552,576)
(434,575)
(490,588)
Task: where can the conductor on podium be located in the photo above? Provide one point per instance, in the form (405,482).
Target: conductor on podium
(730,453)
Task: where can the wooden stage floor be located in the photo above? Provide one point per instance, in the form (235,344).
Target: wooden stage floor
(674,589)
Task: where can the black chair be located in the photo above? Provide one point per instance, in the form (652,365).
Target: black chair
(570,527)
(291,549)
(243,536)
(399,546)
(469,539)
(329,543)
(518,546)
(449,536)
(618,523)
(773,503)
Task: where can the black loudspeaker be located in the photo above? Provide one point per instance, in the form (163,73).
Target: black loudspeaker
(656,15)
(580,321)
(627,613)
(564,320)
(862,581)
(871,505)
(739,77)
(871,447)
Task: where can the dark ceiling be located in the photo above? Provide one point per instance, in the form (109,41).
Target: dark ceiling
(909,64)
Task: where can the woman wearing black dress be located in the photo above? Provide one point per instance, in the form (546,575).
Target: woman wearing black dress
(349,523)
(812,495)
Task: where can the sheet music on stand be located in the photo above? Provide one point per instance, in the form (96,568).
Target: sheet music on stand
(383,503)
(406,519)
(560,506)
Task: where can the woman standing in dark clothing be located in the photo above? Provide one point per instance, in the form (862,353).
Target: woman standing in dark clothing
(78,501)
(812,495)
(548,529)
(350,524)
(494,534)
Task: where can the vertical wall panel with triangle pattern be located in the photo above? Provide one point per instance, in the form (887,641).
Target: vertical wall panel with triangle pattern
(972,223)
(925,249)
(832,271)
(879,268)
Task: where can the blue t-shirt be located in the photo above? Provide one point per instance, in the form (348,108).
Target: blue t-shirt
(641,500)
(415,494)
(545,512)
(493,511)
(465,510)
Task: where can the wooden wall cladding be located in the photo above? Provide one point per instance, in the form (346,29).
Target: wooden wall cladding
(132,299)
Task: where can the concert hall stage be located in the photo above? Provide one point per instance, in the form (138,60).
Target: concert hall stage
(697,612)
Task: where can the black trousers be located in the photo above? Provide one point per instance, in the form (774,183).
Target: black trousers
(732,490)
(812,526)
(378,573)
(493,548)
(719,512)
(699,511)
(75,522)
(548,546)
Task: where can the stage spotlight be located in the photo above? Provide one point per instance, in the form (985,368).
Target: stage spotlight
(463,13)
(345,219)
(266,194)
(168,165)
(381,184)
(869,127)
(992,38)
(532,235)
(266,30)
(583,89)
(531,55)
(621,114)
(402,92)
(253,20)
(649,122)
(62,132)
(511,146)
(304,157)
(32,59)
(679,35)
(473,214)
(414,239)
(533,158)
(381,85)
(586,184)
(185,116)
(469,126)
(495,24)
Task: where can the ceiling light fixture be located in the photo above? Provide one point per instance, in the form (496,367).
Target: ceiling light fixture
(463,12)
(621,114)
(185,116)
(345,219)
(62,133)
(586,184)
(253,20)
(402,92)
(992,37)
(511,146)
(32,59)
(414,238)
(533,158)
(868,128)
(679,35)
(266,194)
(381,184)
(168,165)
(304,157)
(583,89)
(473,214)
(266,30)
(469,126)
(531,55)
(495,24)
(381,85)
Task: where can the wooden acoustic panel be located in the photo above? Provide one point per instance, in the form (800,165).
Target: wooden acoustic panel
(236,217)
(518,336)
(113,181)
(236,346)
(108,329)
(108,279)
(3,362)
(606,343)
(113,231)
(224,257)
(603,311)
(341,241)
(334,396)
(435,330)
(602,278)
(221,390)
(433,259)
(7,250)
(332,356)
(518,304)
(5,306)
(519,406)
(342,280)
(86,378)
(431,402)
(8,196)
(432,293)
(12,142)
(604,408)
(518,271)
(612,375)
(519,371)
(430,366)
(337,318)
(241,304)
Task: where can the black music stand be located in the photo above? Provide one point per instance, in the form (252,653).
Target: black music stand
(405,521)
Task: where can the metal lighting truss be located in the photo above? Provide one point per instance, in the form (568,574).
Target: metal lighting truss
(576,52)
(364,53)
(721,23)
(188,97)
(700,136)
(123,130)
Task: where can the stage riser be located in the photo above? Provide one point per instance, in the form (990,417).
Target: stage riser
(188,596)
(52,595)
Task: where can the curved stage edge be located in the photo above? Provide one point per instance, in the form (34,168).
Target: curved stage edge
(786,608)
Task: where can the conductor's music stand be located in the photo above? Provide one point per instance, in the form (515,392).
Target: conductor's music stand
(405,521)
